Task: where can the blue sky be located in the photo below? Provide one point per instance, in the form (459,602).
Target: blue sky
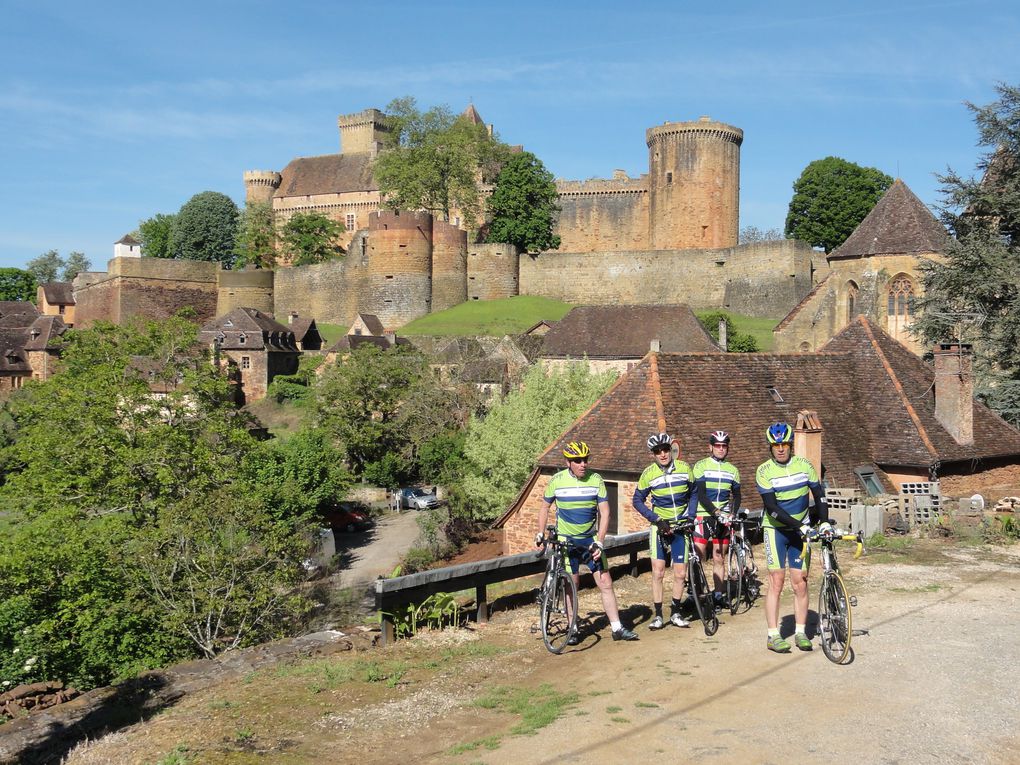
(111,112)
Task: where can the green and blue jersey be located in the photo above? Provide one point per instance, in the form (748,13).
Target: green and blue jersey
(717,480)
(577,501)
(671,490)
(791,483)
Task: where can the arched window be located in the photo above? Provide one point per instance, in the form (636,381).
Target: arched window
(805,347)
(852,290)
(901,297)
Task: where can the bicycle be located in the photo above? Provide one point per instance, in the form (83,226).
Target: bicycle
(742,585)
(697,583)
(557,598)
(835,606)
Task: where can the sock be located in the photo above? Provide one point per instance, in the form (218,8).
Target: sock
(616,626)
(773,632)
(675,606)
(658,608)
(801,629)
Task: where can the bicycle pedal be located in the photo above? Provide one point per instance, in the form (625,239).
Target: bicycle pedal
(853,601)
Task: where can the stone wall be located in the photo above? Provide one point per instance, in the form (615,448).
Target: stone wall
(492,271)
(601,215)
(398,276)
(449,266)
(245,289)
(761,279)
(327,292)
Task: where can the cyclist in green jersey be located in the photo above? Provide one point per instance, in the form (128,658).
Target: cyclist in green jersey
(784,482)
(718,488)
(582,519)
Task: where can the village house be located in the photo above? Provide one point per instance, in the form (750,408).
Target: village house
(306,334)
(882,418)
(56,299)
(366,329)
(25,338)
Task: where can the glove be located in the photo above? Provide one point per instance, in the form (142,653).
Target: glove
(595,550)
(539,539)
(664,528)
(826,529)
(807,532)
(724,517)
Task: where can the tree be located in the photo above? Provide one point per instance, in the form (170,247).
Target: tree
(973,295)
(45,267)
(156,234)
(751,234)
(830,198)
(205,229)
(256,237)
(311,237)
(522,208)
(501,448)
(16,284)
(75,264)
(434,161)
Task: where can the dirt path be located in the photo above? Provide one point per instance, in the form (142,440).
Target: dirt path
(934,680)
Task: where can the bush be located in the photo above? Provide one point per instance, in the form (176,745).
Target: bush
(293,388)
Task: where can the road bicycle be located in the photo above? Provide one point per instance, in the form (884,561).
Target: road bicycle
(557,598)
(742,585)
(835,606)
(697,583)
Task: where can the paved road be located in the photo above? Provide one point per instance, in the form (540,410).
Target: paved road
(367,555)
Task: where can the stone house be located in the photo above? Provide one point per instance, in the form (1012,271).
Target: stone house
(25,338)
(306,334)
(56,299)
(618,336)
(254,343)
(873,273)
(880,415)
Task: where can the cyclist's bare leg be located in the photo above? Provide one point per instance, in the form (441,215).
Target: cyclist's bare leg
(798,580)
(719,564)
(605,583)
(658,573)
(776,581)
(679,579)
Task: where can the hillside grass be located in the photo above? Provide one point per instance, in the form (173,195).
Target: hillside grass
(488,317)
(331,333)
(759,329)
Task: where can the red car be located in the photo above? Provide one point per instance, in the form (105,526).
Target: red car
(347,517)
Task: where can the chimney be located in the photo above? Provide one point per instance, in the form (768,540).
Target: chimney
(807,438)
(954,390)
(722,334)
(655,345)
(291,316)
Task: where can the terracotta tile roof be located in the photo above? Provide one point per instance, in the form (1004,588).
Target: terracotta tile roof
(58,293)
(872,395)
(327,174)
(625,331)
(472,115)
(898,224)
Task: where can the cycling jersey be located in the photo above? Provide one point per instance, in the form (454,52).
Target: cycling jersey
(790,483)
(577,501)
(716,481)
(671,490)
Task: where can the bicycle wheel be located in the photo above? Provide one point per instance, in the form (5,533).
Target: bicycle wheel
(559,612)
(835,621)
(702,595)
(752,587)
(735,577)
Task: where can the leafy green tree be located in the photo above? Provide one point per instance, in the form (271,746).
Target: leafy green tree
(16,284)
(522,208)
(156,236)
(830,198)
(435,160)
(76,263)
(736,341)
(973,294)
(501,447)
(256,237)
(205,228)
(311,237)
(45,267)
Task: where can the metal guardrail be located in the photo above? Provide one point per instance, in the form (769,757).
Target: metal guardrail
(401,591)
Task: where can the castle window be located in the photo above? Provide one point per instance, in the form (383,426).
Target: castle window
(350,221)
(61,310)
(389,276)
(669,177)
(246,362)
(901,297)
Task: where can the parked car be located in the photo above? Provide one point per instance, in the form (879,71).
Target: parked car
(415,498)
(347,517)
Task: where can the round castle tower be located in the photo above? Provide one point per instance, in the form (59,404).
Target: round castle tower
(449,265)
(493,272)
(398,275)
(693,185)
(259,185)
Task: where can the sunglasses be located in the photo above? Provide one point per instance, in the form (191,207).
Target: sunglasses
(578,459)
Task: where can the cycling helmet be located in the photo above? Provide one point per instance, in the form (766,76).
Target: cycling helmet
(576,450)
(719,437)
(779,433)
(659,440)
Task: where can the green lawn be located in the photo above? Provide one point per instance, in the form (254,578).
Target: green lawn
(331,333)
(760,329)
(488,317)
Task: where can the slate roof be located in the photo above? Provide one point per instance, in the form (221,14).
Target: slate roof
(42,330)
(372,323)
(899,223)
(129,240)
(301,326)
(327,174)
(351,342)
(625,332)
(17,313)
(260,331)
(58,293)
(872,395)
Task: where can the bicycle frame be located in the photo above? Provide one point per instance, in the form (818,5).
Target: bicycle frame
(697,584)
(835,606)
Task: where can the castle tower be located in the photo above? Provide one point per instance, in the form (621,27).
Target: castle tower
(493,272)
(449,265)
(398,278)
(693,185)
(362,132)
(259,185)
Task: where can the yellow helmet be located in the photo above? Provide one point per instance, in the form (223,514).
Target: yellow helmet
(576,450)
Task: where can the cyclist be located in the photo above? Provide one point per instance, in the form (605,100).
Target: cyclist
(669,483)
(784,482)
(718,489)
(582,519)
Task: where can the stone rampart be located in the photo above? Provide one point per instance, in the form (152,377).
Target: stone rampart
(245,289)
(327,292)
(492,271)
(601,215)
(398,274)
(449,265)
(762,279)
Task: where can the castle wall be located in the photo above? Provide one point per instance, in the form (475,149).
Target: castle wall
(761,279)
(398,275)
(244,289)
(602,215)
(492,272)
(336,207)
(449,266)
(327,292)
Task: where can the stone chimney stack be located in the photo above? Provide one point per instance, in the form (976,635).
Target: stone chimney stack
(723,339)
(954,390)
(654,346)
(807,439)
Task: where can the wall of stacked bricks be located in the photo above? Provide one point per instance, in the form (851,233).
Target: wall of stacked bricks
(245,289)
(761,279)
(492,272)
(449,265)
